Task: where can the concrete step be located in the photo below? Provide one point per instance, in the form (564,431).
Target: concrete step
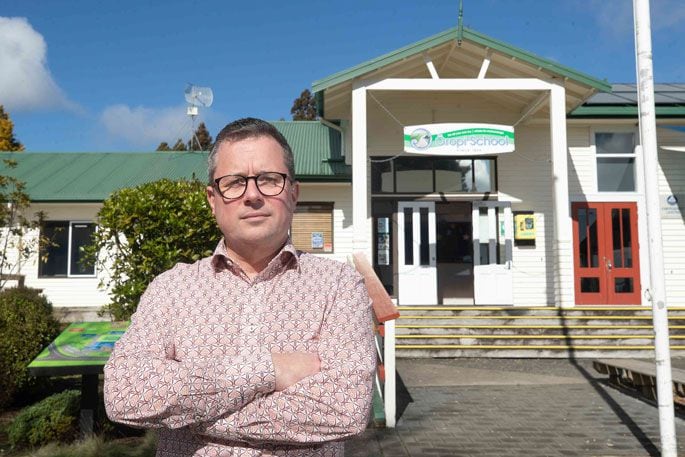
(528,320)
(403,329)
(527,351)
(428,341)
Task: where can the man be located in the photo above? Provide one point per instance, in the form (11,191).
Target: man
(258,350)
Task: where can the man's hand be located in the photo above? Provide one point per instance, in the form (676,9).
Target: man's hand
(291,367)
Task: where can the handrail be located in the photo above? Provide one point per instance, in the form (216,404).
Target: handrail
(385,313)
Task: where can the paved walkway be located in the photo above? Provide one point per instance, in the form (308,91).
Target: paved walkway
(513,407)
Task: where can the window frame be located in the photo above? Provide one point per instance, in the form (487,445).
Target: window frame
(70,224)
(625,155)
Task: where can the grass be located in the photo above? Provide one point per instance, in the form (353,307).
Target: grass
(96,446)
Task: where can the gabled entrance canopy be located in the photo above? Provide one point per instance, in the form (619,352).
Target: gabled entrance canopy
(441,56)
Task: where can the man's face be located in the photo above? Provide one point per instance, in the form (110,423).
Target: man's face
(253,221)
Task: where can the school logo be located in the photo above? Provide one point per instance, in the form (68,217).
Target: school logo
(420,138)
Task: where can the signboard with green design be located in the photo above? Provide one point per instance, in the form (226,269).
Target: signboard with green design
(459,139)
(82,348)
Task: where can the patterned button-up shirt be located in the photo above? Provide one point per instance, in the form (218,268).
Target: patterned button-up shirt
(196,360)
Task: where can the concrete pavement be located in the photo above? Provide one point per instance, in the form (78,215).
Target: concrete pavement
(513,407)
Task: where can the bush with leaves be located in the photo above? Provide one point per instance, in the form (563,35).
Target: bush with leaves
(27,326)
(54,418)
(146,230)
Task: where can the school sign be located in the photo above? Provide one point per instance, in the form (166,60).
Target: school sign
(459,139)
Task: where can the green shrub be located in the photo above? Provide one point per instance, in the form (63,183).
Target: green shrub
(54,418)
(146,230)
(27,326)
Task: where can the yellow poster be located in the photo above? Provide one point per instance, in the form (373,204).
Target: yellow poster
(524,226)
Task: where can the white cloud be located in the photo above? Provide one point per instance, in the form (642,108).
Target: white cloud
(25,80)
(147,127)
(616,16)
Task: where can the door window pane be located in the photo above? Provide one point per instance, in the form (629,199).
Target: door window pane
(616,174)
(616,237)
(582,237)
(424,247)
(592,232)
(623,285)
(627,238)
(408,237)
(81,237)
(484,236)
(453,175)
(414,175)
(589,285)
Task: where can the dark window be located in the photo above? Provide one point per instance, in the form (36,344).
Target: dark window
(62,249)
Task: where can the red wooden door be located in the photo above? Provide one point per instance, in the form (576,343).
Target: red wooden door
(605,251)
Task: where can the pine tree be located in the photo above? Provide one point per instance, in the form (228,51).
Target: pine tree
(163,146)
(203,137)
(7,140)
(179,146)
(304,107)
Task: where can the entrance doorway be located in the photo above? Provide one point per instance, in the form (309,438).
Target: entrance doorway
(606,263)
(455,253)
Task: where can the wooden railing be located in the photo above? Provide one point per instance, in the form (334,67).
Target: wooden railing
(385,313)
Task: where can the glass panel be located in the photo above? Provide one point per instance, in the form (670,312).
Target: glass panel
(582,237)
(484,236)
(623,285)
(592,230)
(590,285)
(485,178)
(81,237)
(627,239)
(616,174)
(616,237)
(453,175)
(424,246)
(381,177)
(615,142)
(54,248)
(408,237)
(414,175)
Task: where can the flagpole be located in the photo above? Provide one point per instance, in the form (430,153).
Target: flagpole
(657,290)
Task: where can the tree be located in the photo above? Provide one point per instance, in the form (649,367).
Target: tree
(304,107)
(15,248)
(7,140)
(201,140)
(163,146)
(179,146)
(146,230)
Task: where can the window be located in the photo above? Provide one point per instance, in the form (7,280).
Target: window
(62,247)
(425,175)
(312,227)
(615,161)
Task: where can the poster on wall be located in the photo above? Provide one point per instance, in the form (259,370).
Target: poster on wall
(317,240)
(383,241)
(461,139)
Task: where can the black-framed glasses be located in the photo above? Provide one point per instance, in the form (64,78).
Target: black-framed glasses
(269,184)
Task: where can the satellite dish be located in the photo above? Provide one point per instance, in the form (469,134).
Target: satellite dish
(198,96)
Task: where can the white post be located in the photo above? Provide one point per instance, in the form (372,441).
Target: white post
(563,258)
(362,236)
(657,289)
(389,393)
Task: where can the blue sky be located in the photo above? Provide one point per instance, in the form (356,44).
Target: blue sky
(82,75)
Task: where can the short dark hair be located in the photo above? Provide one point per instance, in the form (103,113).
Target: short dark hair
(250,127)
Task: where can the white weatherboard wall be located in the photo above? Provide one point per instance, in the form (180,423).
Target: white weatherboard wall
(341,196)
(525,179)
(672,182)
(81,292)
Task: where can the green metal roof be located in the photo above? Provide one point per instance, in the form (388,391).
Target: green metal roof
(449,35)
(90,176)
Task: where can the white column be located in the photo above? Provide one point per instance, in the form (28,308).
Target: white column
(562,242)
(361,241)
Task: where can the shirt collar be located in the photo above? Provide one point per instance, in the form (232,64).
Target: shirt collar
(287,254)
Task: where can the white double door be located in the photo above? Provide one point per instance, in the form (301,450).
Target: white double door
(417,273)
(493,228)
